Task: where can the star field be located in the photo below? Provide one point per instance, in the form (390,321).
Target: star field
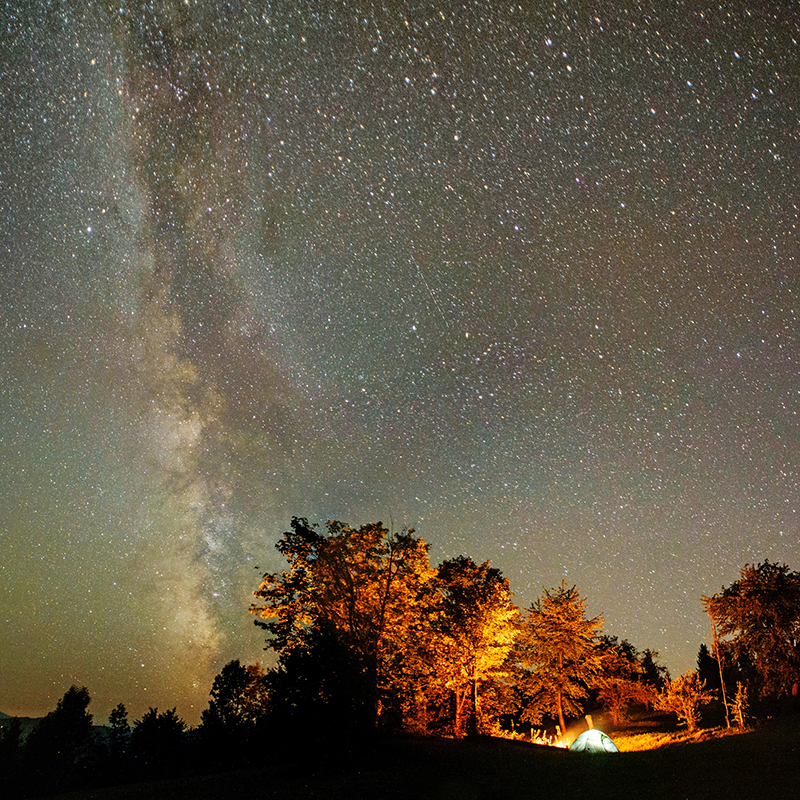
(523,279)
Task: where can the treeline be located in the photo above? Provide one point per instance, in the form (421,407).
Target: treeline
(370,638)
(66,751)
(361,621)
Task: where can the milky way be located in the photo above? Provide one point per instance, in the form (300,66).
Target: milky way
(524,280)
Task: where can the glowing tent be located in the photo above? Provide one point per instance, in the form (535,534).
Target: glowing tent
(593,741)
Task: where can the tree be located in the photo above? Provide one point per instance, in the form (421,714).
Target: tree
(157,741)
(653,674)
(474,631)
(619,683)
(683,697)
(708,668)
(62,741)
(760,613)
(120,732)
(557,654)
(239,697)
(363,587)
(740,705)
(10,752)
(118,722)
(320,688)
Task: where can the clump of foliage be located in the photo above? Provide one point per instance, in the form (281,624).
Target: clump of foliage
(683,697)
(472,631)
(369,634)
(557,655)
(760,616)
(623,680)
(59,749)
(353,595)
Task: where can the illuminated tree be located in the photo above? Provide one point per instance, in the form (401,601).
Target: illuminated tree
(740,705)
(683,697)
(474,632)
(356,589)
(760,613)
(619,682)
(557,655)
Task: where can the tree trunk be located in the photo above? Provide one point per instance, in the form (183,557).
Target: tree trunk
(458,724)
(560,713)
(558,696)
(472,722)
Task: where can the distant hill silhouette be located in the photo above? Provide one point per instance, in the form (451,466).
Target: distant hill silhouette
(27,723)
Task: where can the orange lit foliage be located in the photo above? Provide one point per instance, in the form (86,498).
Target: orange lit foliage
(683,697)
(473,632)
(619,683)
(760,615)
(557,655)
(365,587)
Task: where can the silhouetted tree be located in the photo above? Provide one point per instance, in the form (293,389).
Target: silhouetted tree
(10,755)
(120,730)
(239,697)
(321,689)
(557,655)
(239,702)
(760,615)
(653,674)
(708,668)
(60,747)
(157,742)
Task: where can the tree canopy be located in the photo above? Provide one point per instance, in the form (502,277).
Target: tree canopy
(557,654)
(683,697)
(760,616)
(239,697)
(62,738)
(475,630)
(621,681)
(360,586)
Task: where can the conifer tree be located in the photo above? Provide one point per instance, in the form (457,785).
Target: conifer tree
(557,655)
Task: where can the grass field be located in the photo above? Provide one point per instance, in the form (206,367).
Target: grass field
(763,764)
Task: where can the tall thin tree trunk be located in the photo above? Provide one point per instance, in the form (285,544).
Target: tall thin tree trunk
(718,656)
(458,724)
(472,723)
(558,698)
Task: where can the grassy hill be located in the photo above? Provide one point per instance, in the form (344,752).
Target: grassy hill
(760,764)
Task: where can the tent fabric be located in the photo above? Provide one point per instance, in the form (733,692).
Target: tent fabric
(594,741)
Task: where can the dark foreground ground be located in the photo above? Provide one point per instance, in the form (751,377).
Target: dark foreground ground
(760,764)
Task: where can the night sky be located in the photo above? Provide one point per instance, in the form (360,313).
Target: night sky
(525,278)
